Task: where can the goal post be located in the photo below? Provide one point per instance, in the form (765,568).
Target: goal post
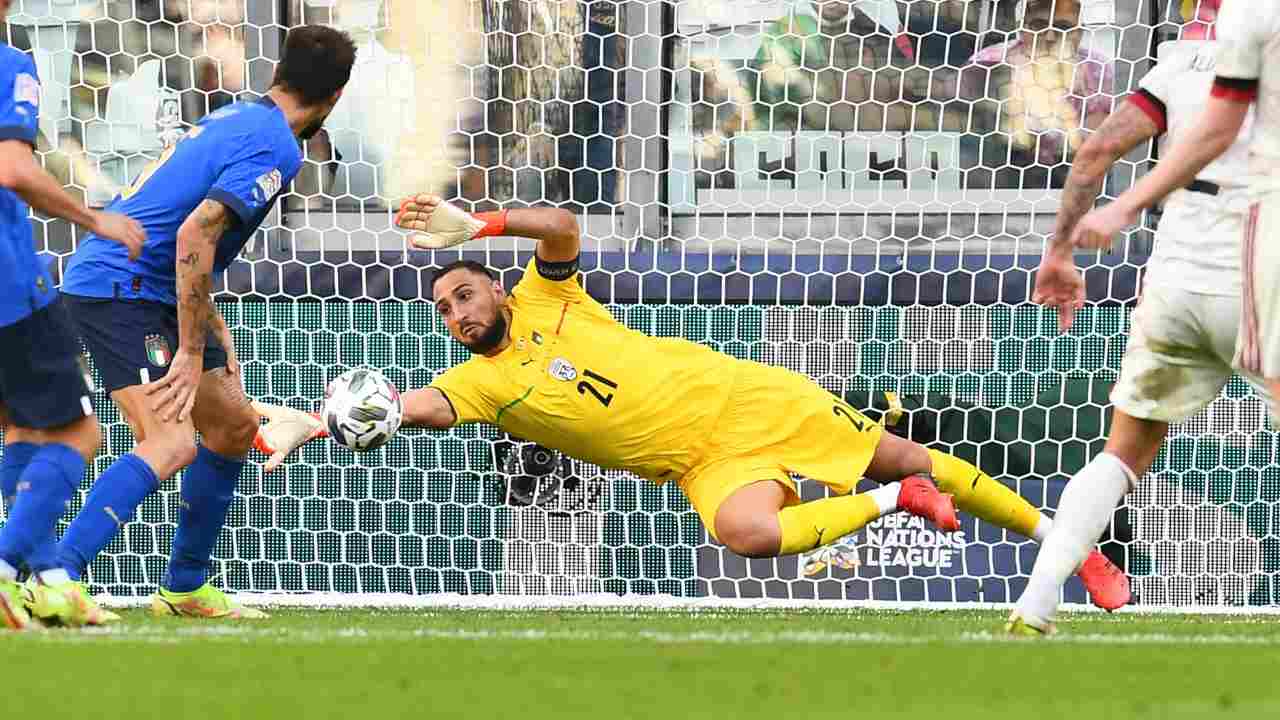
(859,191)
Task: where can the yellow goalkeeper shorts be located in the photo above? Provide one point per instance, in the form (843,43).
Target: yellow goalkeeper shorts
(779,423)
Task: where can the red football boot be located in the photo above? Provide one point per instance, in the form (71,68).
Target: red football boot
(920,497)
(1107,584)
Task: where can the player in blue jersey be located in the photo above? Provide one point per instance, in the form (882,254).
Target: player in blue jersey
(44,394)
(164,351)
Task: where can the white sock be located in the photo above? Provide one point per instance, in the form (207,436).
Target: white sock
(8,572)
(1087,505)
(1042,528)
(886,497)
(57,576)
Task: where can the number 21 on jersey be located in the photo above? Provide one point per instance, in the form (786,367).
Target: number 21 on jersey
(598,386)
(856,419)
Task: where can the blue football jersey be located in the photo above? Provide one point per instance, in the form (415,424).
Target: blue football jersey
(243,155)
(25,285)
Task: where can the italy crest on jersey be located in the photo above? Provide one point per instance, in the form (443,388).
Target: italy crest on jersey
(158,350)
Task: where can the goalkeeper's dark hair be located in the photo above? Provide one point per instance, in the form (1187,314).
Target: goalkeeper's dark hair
(471,265)
(316,63)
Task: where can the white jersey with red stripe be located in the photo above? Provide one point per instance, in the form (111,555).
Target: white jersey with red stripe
(1198,241)
(1249,37)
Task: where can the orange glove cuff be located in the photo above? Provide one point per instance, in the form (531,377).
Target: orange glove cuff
(495,223)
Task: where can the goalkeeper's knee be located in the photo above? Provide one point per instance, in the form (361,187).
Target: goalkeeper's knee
(750,534)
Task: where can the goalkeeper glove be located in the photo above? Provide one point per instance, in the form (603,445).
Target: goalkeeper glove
(286,430)
(435,224)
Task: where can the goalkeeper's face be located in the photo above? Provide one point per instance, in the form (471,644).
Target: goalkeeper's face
(472,307)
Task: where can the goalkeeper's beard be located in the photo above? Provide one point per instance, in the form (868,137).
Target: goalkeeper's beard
(491,338)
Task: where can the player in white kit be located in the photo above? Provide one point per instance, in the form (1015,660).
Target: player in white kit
(1183,335)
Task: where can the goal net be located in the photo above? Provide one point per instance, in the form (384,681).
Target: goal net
(858,190)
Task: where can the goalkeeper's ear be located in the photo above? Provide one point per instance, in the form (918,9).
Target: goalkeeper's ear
(286,430)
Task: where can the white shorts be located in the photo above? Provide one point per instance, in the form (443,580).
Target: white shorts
(1179,355)
(1258,348)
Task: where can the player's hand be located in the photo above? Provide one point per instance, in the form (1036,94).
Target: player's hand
(173,395)
(286,430)
(435,224)
(122,229)
(1098,229)
(1060,285)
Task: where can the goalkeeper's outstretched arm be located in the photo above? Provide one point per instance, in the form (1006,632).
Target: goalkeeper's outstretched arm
(288,429)
(434,224)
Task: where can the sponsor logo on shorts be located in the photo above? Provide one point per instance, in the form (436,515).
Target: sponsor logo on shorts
(158,353)
(562,369)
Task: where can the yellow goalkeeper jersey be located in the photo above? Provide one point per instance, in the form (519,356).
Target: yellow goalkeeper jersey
(576,379)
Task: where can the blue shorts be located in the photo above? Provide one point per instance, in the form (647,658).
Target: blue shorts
(44,380)
(132,341)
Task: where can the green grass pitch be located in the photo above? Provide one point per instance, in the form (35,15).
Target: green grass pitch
(613,664)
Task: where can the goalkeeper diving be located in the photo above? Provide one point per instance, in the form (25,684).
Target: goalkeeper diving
(551,365)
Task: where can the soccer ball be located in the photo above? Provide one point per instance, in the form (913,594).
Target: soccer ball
(362,409)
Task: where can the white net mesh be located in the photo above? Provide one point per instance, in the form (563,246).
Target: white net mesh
(854,189)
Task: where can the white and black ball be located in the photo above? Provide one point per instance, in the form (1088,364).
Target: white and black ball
(362,409)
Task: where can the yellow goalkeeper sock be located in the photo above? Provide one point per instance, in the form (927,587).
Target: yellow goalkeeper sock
(978,494)
(822,522)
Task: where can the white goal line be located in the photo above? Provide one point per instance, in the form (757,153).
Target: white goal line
(259,633)
(662,603)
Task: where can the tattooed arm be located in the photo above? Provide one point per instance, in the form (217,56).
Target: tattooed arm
(1125,129)
(197,243)
(1058,283)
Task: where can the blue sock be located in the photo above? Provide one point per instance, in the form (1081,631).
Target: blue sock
(49,481)
(112,502)
(16,458)
(208,488)
(14,462)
